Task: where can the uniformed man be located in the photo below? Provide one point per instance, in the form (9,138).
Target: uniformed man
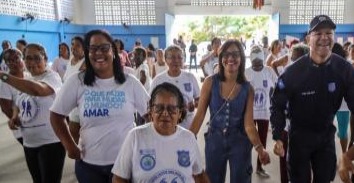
(312,90)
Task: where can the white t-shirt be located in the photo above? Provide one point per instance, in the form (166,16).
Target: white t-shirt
(144,67)
(34,114)
(209,65)
(72,69)
(187,84)
(106,112)
(262,82)
(10,93)
(147,156)
(159,69)
(128,70)
(59,65)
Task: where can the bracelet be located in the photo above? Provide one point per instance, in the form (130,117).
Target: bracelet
(258,146)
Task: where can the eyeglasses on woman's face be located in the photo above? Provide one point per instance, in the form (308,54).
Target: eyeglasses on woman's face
(233,54)
(35,57)
(104,48)
(160,108)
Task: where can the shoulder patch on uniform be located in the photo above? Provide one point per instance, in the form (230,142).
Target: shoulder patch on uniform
(280,84)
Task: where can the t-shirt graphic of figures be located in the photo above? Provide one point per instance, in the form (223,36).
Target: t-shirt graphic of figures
(26,106)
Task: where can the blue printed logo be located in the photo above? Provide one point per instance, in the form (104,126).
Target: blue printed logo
(28,108)
(187,87)
(183,158)
(147,162)
(265,83)
(168,176)
(260,99)
(332,87)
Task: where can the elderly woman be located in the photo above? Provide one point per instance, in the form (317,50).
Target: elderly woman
(161,151)
(106,99)
(13,59)
(185,81)
(232,131)
(43,151)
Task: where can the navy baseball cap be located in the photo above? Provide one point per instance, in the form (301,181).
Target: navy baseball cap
(321,21)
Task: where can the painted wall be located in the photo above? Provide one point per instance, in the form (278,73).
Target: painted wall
(344,31)
(282,6)
(51,33)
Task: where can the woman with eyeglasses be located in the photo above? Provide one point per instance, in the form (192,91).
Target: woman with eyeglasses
(161,151)
(106,99)
(185,81)
(232,132)
(43,151)
(13,60)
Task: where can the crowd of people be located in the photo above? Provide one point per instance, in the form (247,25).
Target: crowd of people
(134,116)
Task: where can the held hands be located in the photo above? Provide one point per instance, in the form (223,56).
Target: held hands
(74,152)
(263,155)
(278,148)
(345,166)
(14,123)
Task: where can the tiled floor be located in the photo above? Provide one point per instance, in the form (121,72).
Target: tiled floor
(13,168)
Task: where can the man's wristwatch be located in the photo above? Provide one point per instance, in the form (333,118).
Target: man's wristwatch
(4,77)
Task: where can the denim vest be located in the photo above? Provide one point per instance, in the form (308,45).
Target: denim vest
(227,115)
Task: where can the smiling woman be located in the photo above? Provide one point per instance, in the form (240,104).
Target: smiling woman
(106,99)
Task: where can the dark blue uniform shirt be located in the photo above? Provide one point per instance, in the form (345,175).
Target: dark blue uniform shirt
(312,94)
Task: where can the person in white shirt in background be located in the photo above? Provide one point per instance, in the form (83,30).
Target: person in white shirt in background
(21,45)
(263,79)
(284,48)
(208,60)
(142,71)
(275,48)
(106,99)
(60,63)
(6,44)
(160,64)
(161,151)
(150,56)
(185,81)
(75,65)
(13,59)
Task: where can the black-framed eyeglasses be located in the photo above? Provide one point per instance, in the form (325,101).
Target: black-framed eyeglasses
(103,48)
(160,108)
(37,58)
(234,55)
